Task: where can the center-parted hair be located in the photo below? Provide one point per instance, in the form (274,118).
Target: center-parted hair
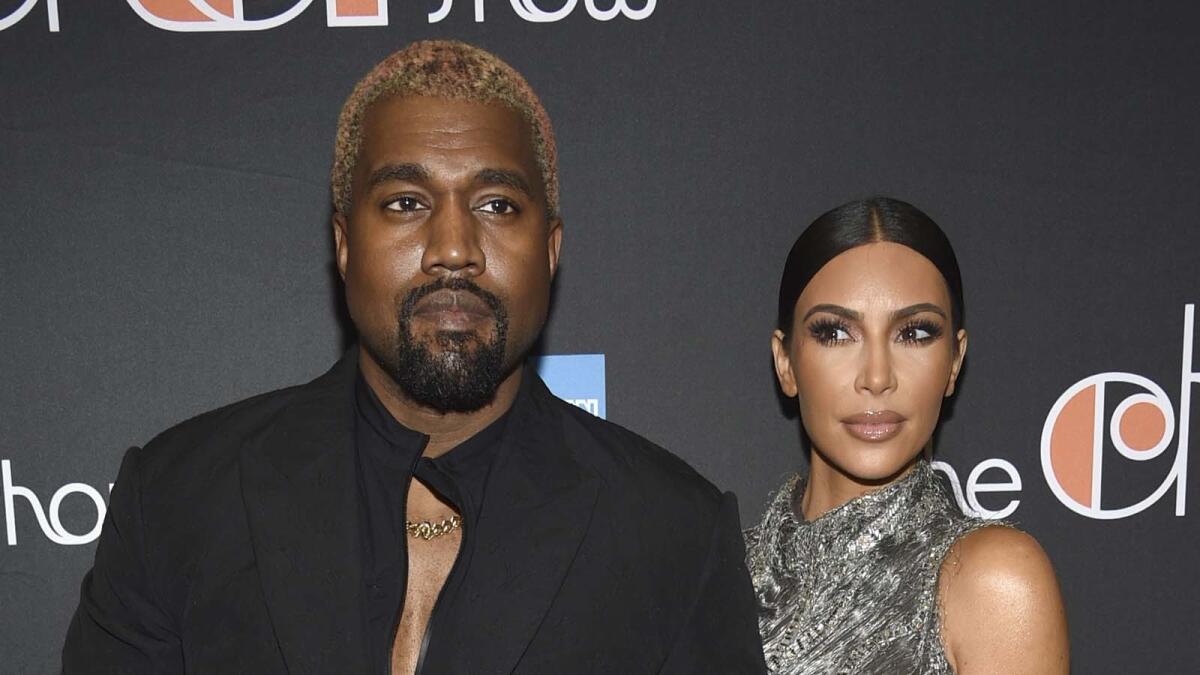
(443,69)
(860,222)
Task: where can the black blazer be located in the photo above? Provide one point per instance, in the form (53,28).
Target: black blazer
(231,545)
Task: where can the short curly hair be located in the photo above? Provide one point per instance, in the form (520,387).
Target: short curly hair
(442,69)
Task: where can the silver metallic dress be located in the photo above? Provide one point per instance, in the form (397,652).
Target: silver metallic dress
(856,590)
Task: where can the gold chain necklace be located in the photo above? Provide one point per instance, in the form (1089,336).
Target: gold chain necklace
(426,530)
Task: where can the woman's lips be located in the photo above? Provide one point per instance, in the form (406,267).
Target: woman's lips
(874,426)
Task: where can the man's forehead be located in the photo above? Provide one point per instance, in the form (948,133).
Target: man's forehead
(397,127)
(409,115)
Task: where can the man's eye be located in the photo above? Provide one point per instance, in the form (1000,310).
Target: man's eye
(498,206)
(403,204)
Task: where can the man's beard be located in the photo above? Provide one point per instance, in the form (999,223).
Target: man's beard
(462,375)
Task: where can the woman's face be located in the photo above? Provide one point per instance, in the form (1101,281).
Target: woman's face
(870,357)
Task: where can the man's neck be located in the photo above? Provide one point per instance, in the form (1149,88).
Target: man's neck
(444,429)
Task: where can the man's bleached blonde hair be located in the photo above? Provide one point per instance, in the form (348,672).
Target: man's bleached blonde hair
(443,69)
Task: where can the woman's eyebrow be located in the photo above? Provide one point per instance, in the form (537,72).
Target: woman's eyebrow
(906,312)
(838,310)
(902,313)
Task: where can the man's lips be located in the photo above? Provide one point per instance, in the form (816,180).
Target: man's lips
(874,426)
(453,309)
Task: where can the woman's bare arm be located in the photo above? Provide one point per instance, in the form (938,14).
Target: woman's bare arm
(1002,609)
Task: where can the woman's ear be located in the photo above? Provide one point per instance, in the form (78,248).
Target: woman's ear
(783,363)
(956,366)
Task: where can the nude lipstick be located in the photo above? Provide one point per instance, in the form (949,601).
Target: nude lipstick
(874,426)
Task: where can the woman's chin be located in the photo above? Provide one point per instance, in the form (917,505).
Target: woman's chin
(875,467)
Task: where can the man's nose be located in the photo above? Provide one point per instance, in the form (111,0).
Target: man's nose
(877,374)
(452,242)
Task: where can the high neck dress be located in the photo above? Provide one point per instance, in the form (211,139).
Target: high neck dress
(856,590)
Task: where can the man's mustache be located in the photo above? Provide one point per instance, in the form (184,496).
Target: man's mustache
(455,284)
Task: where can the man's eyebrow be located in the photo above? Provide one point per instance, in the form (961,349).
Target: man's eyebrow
(413,173)
(906,312)
(837,310)
(512,179)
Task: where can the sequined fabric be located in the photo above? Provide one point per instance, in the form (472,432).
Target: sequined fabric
(855,591)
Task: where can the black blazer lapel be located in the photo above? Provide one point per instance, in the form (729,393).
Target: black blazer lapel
(537,509)
(299,487)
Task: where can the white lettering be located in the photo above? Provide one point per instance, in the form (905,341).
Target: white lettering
(56,523)
(591,405)
(201,16)
(968,503)
(955,486)
(52,527)
(528,10)
(11,492)
(618,8)
(1188,379)
(27,7)
(444,11)
(974,487)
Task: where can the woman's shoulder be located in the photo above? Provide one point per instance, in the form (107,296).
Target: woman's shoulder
(1001,606)
(995,550)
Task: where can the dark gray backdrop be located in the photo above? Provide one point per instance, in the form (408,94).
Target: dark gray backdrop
(166,247)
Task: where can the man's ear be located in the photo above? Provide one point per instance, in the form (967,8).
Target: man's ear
(783,363)
(956,366)
(554,243)
(340,242)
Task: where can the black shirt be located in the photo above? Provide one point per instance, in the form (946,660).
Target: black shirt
(389,455)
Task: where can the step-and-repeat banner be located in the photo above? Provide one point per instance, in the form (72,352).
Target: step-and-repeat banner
(166,247)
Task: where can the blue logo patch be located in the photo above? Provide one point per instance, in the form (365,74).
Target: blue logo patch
(577,379)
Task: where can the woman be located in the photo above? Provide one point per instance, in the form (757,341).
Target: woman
(866,565)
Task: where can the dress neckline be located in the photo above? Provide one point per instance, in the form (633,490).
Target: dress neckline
(855,589)
(862,504)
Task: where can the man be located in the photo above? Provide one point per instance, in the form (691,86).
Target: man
(426,506)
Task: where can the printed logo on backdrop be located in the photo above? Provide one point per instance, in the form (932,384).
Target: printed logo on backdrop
(1075,444)
(983,478)
(48,519)
(190,16)
(22,10)
(1142,428)
(578,379)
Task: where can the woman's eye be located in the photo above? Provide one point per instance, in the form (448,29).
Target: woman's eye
(403,204)
(498,206)
(829,333)
(919,333)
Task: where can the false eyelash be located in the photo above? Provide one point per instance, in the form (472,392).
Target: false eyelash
(934,330)
(821,329)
